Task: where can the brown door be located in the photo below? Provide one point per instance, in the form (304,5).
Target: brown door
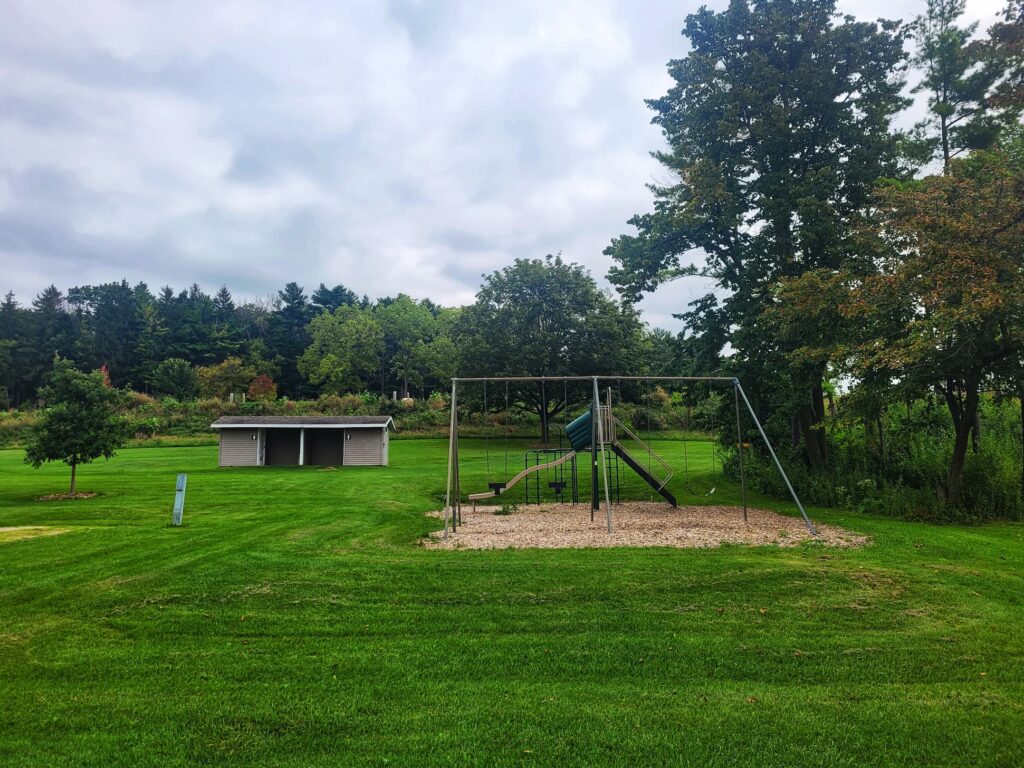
(282,447)
(324,447)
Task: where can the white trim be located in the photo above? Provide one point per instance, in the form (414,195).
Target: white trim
(385,425)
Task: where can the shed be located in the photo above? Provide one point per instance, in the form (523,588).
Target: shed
(256,441)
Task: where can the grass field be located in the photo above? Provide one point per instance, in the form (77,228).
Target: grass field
(294,621)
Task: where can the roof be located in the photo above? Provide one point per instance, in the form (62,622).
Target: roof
(337,422)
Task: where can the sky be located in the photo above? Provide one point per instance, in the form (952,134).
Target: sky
(393,146)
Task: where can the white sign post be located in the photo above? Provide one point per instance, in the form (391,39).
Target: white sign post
(179,500)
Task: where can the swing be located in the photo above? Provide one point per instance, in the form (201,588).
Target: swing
(497,488)
(686,464)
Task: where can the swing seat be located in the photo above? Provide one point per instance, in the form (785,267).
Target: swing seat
(558,487)
(497,488)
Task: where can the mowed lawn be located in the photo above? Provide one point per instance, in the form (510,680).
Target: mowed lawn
(295,621)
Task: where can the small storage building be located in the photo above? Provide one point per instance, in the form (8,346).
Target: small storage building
(256,441)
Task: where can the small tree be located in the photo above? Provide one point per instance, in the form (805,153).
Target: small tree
(220,380)
(174,377)
(79,422)
(263,389)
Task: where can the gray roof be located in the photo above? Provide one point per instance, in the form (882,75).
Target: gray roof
(301,421)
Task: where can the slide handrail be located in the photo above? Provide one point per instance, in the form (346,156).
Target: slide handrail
(650,451)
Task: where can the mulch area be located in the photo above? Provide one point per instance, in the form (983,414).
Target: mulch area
(634,524)
(67,496)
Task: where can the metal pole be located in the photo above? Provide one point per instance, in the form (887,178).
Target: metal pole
(458,474)
(778,464)
(451,456)
(739,442)
(722,379)
(595,502)
(604,468)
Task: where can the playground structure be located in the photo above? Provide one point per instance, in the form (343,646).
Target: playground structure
(600,435)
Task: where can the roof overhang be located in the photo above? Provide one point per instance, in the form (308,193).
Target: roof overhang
(390,423)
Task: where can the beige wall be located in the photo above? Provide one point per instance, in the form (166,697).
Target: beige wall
(238,447)
(363,447)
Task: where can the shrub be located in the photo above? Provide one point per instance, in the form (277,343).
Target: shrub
(262,389)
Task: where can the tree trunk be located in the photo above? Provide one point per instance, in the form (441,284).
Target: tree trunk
(963,412)
(1020,399)
(976,432)
(811,420)
(74,467)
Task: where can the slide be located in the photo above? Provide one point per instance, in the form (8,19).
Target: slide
(528,471)
(639,468)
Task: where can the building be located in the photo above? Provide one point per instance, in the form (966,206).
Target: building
(256,441)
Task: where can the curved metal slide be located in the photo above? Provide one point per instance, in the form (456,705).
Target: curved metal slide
(528,471)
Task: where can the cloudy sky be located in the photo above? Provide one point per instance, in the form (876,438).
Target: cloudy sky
(392,146)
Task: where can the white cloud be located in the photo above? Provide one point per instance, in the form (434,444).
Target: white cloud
(404,146)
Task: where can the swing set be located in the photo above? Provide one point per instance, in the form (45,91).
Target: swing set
(596,431)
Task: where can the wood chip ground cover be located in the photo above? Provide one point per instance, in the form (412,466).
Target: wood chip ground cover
(634,524)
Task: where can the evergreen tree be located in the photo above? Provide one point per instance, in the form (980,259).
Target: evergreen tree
(287,336)
(326,299)
(778,125)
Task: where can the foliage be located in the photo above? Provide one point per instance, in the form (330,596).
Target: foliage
(226,378)
(941,280)
(79,421)
(345,350)
(545,317)
(262,389)
(778,124)
(174,377)
(897,464)
(960,117)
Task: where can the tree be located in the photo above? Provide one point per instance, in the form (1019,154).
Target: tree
(263,389)
(79,421)
(936,301)
(224,378)
(545,317)
(287,336)
(345,351)
(406,325)
(14,321)
(174,377)
(957,84)
(326,299)
(778,124)
(1005,55)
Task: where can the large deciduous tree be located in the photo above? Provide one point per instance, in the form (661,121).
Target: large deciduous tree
(545,317)
(936,302)
(778,125)
(345,350)
(79,421)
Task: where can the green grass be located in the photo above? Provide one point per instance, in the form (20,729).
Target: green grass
(294,621)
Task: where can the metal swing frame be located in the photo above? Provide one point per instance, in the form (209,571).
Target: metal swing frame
(453,489)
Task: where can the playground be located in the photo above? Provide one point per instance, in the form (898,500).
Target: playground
(600,468)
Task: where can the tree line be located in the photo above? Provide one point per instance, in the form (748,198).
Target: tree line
(536,316)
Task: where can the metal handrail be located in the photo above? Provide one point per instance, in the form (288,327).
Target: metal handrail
(650,451)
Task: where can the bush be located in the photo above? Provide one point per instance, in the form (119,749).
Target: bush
(905,474)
